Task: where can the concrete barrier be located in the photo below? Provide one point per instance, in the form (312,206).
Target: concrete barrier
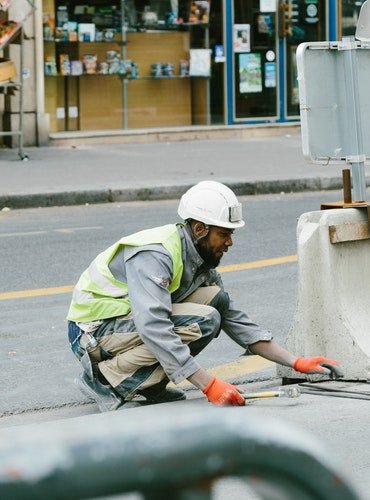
(332,317)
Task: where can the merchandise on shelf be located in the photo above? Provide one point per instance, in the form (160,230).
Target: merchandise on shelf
(167,69)
(90,63)
(62,15)
(64,64)
(77,68)
(7,70)
(199,11)
(48,26)
(86,32)
(7,29)
(50,65)
(184,67)
(156,70)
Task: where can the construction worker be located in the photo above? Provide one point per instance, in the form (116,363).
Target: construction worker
(147,305)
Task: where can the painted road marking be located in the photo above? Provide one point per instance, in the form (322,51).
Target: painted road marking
(65,230)
(258,263)
(241,367)
(39,292)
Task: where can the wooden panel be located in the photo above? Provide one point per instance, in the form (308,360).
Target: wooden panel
(159,46)
(349,232)
(100,102)
(199,101)
(160,102)
(51,103)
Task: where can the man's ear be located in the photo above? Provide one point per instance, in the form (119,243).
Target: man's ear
(199,229)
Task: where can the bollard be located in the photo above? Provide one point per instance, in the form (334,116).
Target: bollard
(167,451)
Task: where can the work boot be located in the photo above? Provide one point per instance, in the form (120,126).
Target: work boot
(156,394)
(104,395)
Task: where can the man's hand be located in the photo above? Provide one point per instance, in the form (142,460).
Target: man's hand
(222,393)
(320,365)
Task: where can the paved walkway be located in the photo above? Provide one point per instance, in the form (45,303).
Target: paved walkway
(163,170)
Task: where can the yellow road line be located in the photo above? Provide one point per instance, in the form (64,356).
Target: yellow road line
(258,263)
(65,230)
(247,364)
(38,292)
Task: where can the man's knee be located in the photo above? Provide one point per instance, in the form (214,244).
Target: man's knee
(221,302)
(188,333)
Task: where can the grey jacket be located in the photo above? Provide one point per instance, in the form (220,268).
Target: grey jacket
(148,271)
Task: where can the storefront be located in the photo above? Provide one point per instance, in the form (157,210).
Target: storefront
(134,64)
(126,64)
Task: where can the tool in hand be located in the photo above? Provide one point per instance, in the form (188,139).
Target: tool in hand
(287,391)
(319,365)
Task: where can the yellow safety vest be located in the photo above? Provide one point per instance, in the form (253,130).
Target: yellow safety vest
(98,295)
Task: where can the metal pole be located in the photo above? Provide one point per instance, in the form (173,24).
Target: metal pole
(208,82)
(123,56)
(357,158)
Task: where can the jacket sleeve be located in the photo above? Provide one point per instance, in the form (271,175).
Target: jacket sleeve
(239,327)
(149,274)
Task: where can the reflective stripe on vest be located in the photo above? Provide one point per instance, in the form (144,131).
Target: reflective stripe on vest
(98,295)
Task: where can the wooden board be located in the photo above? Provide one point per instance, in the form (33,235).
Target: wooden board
(349,232)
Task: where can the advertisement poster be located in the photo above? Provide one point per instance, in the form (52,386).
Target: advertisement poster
(250,73)
(242,41)
(270,75)
(267,5)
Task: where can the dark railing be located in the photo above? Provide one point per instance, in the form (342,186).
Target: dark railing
(165,452)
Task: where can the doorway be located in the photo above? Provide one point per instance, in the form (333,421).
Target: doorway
(264,38)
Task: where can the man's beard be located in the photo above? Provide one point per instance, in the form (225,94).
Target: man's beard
(209,258)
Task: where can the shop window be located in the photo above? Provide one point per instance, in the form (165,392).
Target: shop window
(107,69)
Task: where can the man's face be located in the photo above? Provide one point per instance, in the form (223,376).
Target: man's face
(212,247)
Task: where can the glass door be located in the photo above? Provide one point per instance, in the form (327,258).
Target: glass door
(299,21)
(254,57)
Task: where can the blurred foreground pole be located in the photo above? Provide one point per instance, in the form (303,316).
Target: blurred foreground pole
(167,451)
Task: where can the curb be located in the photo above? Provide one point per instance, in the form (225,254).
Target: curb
(83,197)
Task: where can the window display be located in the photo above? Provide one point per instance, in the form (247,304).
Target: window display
(92,49)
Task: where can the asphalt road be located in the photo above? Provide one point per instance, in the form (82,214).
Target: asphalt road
(45,250)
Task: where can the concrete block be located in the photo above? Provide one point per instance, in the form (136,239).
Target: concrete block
(332,315)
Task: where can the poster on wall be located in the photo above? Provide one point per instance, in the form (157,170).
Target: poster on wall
(250,73)
(270,75)
(242,39)
(268,5)
(200,62)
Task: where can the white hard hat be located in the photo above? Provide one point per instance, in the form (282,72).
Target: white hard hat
(212,203)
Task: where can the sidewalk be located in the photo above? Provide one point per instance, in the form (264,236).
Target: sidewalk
(163,170)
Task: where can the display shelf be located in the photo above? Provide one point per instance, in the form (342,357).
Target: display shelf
(149,100)
(16,29)
(123,77)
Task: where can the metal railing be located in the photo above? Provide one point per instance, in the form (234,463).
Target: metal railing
(167,452)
